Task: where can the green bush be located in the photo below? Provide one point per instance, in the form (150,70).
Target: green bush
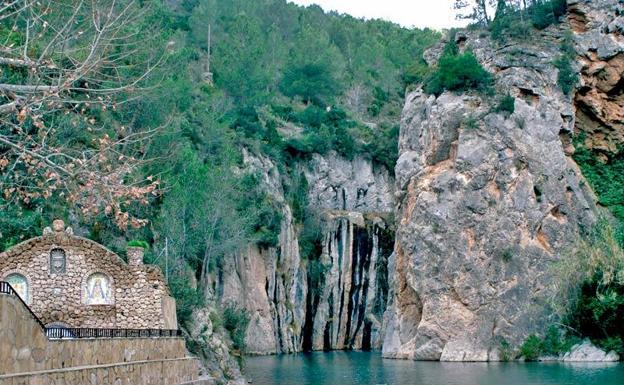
(216,320)
(187,298)
(605,178)
(544,13)
(235,321)
(263,209)
(557,342)
(591,285)
(324,130)
(380,98)
(507,351)
(297,193)
(383,146)
(138,243)
(531,348)
(611,343)
(470,123)
(458,72)
(17,224)
(567,77)
(508,25)
(506,104)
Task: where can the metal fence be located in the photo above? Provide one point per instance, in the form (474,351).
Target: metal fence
(61,332)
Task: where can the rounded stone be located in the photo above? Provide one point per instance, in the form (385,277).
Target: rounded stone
(58,225)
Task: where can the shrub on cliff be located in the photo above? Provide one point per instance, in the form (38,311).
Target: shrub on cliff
(235,321)
(506,104)
(458,72)
(554,343)
(531,348)
(591,287)
(567,77)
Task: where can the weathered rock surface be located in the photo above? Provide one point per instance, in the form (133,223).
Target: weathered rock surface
(213,350)
(353,201)
(599,37)
(486,203)
(587,352)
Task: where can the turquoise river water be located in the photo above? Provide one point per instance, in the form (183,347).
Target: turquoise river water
(364,368)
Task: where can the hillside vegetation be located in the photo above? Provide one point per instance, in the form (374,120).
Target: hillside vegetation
(143,138)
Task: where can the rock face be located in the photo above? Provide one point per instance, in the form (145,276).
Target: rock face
(347,310)
(487,202)
(212,349)
(337,301)
(483,202)
(599,37)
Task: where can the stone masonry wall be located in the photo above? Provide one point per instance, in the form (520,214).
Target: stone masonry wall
(136,295)
(28,357)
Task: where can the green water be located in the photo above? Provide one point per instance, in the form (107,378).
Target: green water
(359,368)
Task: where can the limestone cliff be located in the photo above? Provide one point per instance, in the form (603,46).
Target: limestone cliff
(482,202)
(488,201)
(599,35)
(337,301)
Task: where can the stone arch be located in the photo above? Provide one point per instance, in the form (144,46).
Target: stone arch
(20,283)
(58,261)
(57,324)
(98,289)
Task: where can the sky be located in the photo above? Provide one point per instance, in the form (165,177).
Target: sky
(437,14)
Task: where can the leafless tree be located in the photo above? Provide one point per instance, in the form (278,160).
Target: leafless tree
(61,60)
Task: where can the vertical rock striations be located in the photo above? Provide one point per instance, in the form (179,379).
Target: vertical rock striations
(337,300)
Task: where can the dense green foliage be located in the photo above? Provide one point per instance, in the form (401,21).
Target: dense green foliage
(235,321)
(590,279)
(458,72)
(606,178)
(567,77)
(531,348)
(591,300)
(280,81)
(514,21)
(555,342)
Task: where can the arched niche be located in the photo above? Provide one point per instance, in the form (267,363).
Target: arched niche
(98,290)
(20,284)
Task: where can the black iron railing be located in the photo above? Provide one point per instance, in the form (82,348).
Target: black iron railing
(61,332)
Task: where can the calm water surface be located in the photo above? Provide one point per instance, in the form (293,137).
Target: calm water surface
(360,368)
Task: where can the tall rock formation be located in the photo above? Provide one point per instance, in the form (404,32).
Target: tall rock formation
(338,300)
(488,201)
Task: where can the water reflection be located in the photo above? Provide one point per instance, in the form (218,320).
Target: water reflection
(359,368)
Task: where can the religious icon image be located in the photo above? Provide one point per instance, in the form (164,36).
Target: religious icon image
(19,283)
(58,262)
(98,290)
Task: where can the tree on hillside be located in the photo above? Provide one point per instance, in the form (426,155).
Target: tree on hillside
(477,10)
(62,64)
(313,68)
(540,13)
